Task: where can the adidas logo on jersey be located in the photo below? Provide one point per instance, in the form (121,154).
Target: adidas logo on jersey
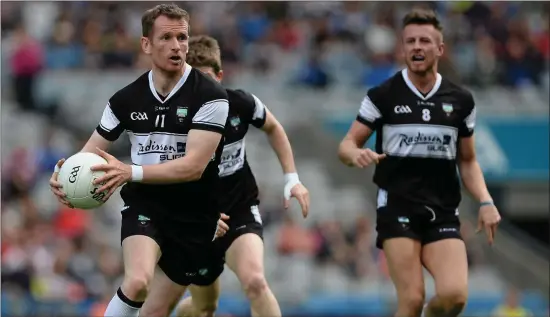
(402,109)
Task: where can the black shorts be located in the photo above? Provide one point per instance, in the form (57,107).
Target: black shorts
(184,259)
(397,218)
(242,220)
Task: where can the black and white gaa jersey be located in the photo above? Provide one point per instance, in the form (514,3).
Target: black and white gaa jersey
(237,181)
(158,128)
(420,136)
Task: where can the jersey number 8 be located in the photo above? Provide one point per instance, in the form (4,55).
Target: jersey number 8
(426,114)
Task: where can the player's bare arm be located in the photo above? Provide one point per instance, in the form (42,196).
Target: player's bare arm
(200,148)
(96,141)
(351,151)
(473,180)
(278,140)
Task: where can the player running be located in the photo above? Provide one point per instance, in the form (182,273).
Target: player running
(424,126)
(175,117)
(242,246)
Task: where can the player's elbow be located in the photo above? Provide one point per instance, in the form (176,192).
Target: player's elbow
(342,153)
(196,172)
(272,126)
(276,134)
(467,158)
(195,176)
(190,172)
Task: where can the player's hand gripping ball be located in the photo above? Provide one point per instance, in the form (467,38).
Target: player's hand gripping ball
(116,173)
(76,179)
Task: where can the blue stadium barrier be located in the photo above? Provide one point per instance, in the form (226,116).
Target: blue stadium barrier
(317,306)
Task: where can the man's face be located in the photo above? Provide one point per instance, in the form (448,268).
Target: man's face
(422,47)
(210,72)
(167,44)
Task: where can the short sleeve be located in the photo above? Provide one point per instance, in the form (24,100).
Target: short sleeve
(110,126)
(467,125)
(369,113)
(259,113)
(212,115)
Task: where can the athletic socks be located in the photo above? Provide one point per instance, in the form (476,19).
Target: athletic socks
(122,306)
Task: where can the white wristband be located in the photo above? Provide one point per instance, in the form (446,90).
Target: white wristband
(291,180)
(292,177)
(137,173)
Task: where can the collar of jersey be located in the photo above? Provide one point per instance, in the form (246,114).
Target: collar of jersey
(415,90)
(177,87)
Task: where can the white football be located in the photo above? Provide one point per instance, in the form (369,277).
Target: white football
(77,180)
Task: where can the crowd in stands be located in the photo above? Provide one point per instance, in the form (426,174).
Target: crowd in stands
(504,43)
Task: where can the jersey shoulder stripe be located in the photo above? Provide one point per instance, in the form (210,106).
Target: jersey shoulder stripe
(372,105)
(111,126)
(214,109)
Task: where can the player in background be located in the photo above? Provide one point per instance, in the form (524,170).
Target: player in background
(242,246)
(424,126)
(175,117)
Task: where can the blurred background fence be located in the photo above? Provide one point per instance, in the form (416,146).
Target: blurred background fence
(311,63)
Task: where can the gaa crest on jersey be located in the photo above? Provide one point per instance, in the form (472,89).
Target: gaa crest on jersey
(181,113)
(448,108)
(235,121)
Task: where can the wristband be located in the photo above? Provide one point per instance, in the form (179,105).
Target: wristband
(292,177)
(486,203)
(137,173)
(291,180)
(56,169)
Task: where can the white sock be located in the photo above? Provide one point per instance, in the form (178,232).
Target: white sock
(121,306)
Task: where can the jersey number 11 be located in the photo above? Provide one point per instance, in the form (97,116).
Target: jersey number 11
(159,122)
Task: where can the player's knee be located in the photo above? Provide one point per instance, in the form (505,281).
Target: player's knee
(254,285)
(135,285)
(453,299)
(155,310)
(411,303)
(207,310)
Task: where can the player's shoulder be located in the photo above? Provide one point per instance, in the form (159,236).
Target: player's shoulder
(387,88)
(458,91)
(130,92)
(206,87)
(240,97)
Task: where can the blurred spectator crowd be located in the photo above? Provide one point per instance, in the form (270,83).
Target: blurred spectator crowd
(55,253)
(489,43)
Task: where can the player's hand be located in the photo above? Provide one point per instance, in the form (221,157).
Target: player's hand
(488,219)
(301,194)
(56,186)
(116,174)
(365,157)
(222,226)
